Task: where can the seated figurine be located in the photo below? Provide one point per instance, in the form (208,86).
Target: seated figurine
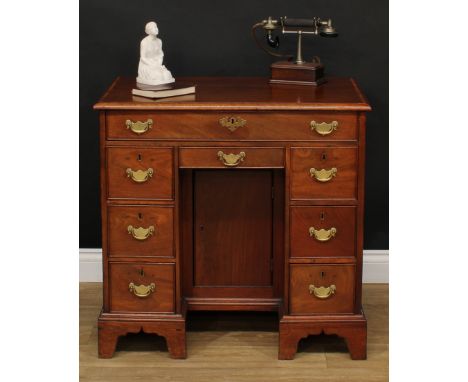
(151,71)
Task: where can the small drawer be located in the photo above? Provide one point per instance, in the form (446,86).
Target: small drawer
(323,231)
(141,287)
(231,157)
(324,173)
(140,173)
(141,231)
(321,288)
(229,125)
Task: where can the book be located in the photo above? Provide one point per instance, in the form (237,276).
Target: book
(163,91)
(182,98)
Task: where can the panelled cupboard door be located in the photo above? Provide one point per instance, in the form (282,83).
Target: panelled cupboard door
(140,173)
(324,173)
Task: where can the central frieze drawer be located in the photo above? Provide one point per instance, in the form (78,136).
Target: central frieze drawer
(205,126)
(231,157)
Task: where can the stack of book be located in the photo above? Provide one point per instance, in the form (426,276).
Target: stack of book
(162,91)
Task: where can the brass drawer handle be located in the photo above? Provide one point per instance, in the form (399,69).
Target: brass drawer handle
(141,290)
(232,123)
(322,292)
(323,175)
(231,160)
(324,128)
(140,233)
(139,176)
(322,234)
(139,127)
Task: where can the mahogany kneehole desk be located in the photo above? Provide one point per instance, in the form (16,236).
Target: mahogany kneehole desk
(243,196)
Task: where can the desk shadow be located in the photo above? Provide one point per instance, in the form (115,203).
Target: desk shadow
(232,321)
(322,343)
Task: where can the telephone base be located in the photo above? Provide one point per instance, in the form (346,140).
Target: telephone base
(288,72)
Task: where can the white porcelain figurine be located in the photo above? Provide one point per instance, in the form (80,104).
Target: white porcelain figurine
(151,71)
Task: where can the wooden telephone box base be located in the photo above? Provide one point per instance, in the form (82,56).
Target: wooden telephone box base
(287,72)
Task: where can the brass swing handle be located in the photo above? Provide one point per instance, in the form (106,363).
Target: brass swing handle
(231,160)
(141,290)
(139,127)
(323,175)
(323,128)
(140,233)
(322,234)
(139,176)
(322,292)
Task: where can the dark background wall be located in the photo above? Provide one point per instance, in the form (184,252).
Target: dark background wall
(213,38)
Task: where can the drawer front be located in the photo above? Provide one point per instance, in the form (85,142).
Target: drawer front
(140,173)
(321,288)
(141,231)
(324,173)
(232,126)
(323,231)
(141,287)
(231,157)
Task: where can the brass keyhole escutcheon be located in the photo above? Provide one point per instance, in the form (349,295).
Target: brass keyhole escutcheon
(232,123)
(324,156)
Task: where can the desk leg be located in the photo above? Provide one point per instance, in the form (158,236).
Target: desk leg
(352,328)
(173,331)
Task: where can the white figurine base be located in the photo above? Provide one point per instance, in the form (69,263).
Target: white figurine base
(145,81)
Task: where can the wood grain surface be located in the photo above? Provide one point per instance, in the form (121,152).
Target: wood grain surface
(241,93)
(234,347)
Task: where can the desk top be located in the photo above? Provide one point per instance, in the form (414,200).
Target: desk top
(241,93)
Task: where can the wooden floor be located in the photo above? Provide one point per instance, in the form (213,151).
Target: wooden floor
(234,347)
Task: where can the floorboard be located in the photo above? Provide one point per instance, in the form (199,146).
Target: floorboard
(234,347)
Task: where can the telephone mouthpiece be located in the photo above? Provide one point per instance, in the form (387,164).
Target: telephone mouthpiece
(328,32)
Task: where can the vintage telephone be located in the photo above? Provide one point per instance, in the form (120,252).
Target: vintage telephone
(295,71)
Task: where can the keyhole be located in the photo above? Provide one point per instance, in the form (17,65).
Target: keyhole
(324,156)
(141,272)
(322,274)
(322,216)
(232,120)
(139,157)
(140,216)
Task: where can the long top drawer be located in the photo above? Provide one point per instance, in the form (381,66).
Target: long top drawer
(203,126)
